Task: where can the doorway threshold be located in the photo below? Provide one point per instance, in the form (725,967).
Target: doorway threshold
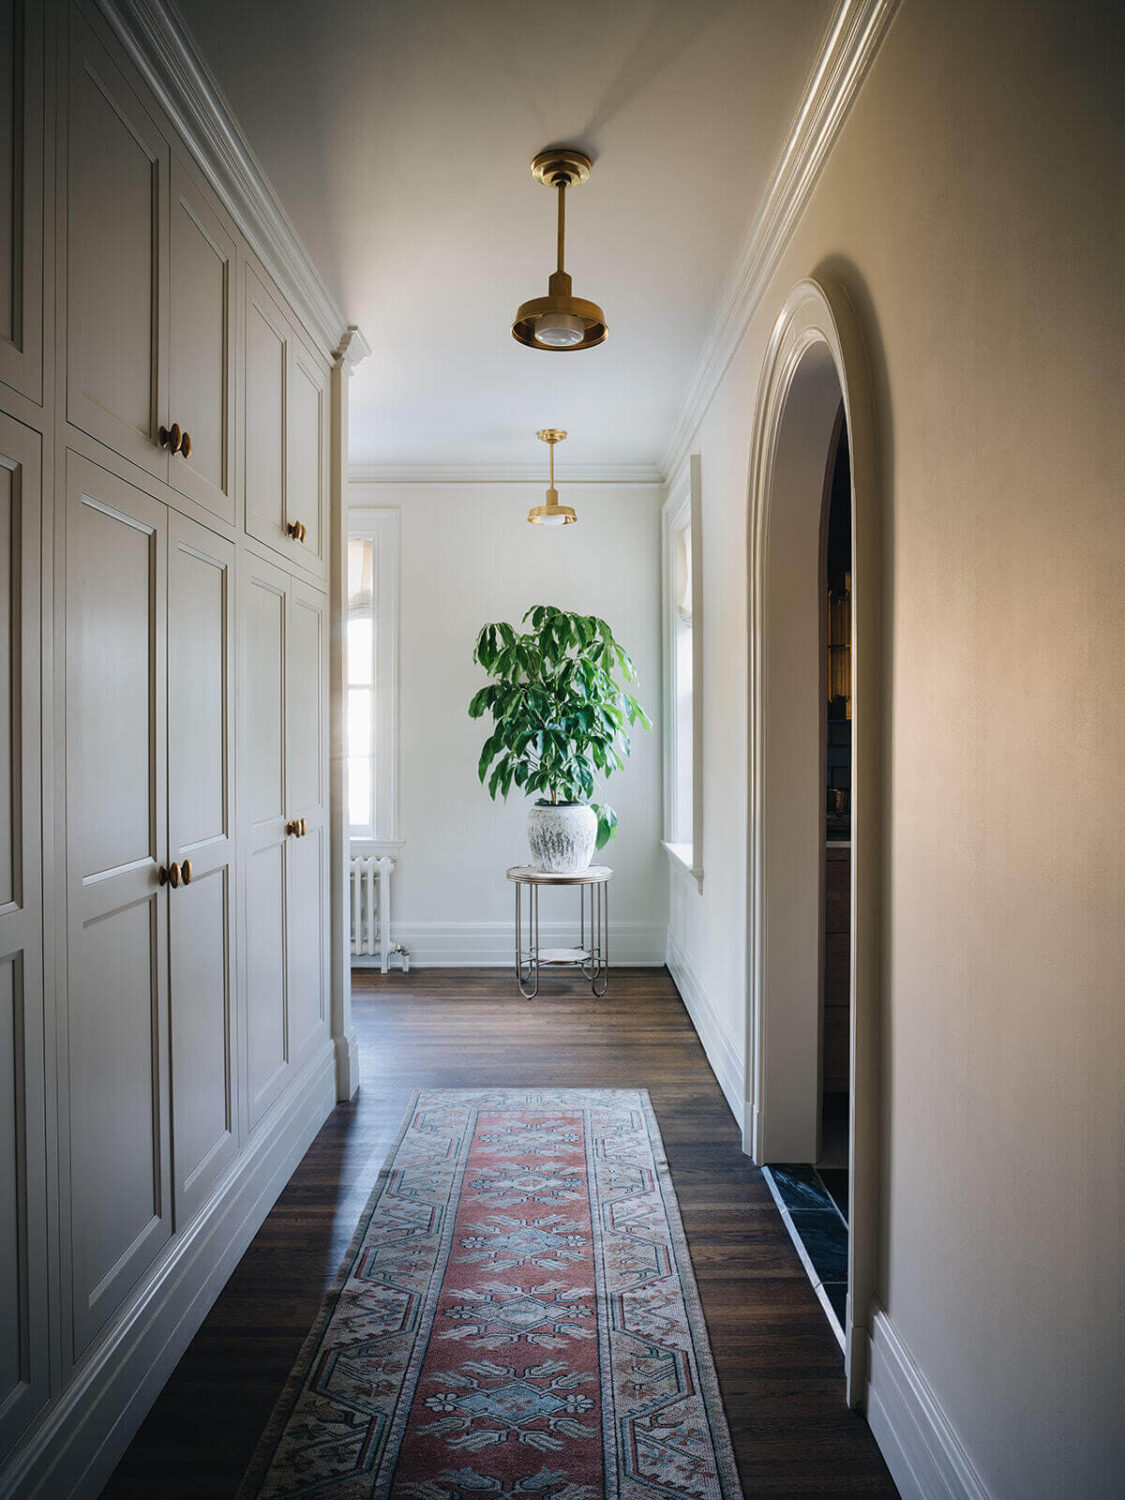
(813,1203)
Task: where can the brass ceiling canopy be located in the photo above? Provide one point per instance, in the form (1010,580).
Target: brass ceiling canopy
(560,321)
(552,514)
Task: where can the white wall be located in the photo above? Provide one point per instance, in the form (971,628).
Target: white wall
(972,208)
(468,557)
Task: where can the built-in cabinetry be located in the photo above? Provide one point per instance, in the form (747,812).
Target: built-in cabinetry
(165,522)
(23,1166)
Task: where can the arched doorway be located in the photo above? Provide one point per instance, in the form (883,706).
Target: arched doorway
(814,380)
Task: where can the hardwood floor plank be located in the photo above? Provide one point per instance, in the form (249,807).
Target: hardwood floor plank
(778,1363)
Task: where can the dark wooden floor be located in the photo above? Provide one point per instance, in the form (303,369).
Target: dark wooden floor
(779,1366)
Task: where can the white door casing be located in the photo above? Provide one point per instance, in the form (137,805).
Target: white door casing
(815,359)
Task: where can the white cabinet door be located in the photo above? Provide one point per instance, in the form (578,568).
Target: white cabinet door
(286,423)
(117,258)
(201,361)
(21,196)
(116,1023)
(264,596)
(306,459)
(23,1185)
(201,839)
(265,376)
(307,911)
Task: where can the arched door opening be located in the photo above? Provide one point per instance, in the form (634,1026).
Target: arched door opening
(813,917)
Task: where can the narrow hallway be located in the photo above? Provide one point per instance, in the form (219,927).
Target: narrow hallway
(778,1362)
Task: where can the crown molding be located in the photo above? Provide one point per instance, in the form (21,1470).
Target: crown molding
(352,349)
(846,55)
(161,47)
(605,475)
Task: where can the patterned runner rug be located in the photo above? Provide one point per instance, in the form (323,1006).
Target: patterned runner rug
(516,1319)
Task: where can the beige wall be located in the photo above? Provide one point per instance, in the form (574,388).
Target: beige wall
(973,209)
(468,557)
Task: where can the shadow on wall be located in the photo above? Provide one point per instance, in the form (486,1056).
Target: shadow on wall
(845,273)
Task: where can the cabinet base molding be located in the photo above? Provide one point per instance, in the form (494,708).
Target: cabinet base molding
(923,1453)
(347,1066)
(78,1441)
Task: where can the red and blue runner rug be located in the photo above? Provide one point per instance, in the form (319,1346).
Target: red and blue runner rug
(516,1319)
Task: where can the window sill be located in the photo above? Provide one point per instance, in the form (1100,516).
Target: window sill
(682,855)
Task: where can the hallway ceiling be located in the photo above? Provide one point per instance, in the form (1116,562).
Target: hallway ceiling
(398,137)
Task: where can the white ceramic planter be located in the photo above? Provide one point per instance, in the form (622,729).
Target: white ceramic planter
(562,838)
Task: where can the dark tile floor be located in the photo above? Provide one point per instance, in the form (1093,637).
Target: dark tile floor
(814,1205)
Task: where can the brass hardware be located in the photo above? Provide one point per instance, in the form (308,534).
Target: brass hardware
(304,531)
(162,875)
(185,446)
(551,514)
(293,828)
(304,828)
(172,438)
(185,870)
(297,530)
(174,875)
(560,321)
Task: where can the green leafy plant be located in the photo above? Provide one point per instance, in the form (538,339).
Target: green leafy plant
(560,717)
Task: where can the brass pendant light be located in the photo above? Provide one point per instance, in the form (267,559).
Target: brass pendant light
(560,321)
(551,514)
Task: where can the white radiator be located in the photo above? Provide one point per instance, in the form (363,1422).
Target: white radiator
(371,907)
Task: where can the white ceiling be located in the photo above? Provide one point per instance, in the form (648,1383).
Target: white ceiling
(398,137)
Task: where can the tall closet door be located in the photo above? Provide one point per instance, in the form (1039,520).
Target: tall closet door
(201,838)
(116,1023)
(117,260)
(21,196)
(23,1185)
(264,595)
(201,357)
(307,914)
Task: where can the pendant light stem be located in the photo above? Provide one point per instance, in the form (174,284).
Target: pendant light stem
(551,450)
(562,221)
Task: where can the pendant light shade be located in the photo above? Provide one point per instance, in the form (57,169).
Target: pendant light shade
(551,514)
(560,321)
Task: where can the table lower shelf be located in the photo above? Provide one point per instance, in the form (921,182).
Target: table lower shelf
(564,955)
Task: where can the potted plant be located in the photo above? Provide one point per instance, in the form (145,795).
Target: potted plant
(560,718)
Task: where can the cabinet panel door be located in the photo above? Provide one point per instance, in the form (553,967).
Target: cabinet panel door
(264,594)
(21,196)
(266,374)
(200,812)
(307,916)
(117,201)
(201,358)
(23,1185)
(117,953)
(306,454)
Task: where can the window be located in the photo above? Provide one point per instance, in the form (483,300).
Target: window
(372,676)
(683,662)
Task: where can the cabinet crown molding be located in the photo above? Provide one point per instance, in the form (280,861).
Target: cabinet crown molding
(169,61)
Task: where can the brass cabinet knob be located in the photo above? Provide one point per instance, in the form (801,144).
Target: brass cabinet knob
(297,530)
(185,871)
(174,875)
(172,437)
(162,875)
(304,530)
(293,828)
(304,828)
(185,445)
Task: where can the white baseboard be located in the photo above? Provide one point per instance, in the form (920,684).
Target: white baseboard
(75,1445)
(922,1451)
(492,944)
(724,1057)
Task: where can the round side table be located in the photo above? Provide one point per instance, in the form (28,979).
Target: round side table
(592,953)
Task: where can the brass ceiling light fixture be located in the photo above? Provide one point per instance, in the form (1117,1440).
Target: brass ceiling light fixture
(560,321)
(551,514)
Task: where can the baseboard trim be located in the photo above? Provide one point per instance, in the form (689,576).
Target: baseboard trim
(78,1440)
(721,1051)
(492,944)
(916,1438)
